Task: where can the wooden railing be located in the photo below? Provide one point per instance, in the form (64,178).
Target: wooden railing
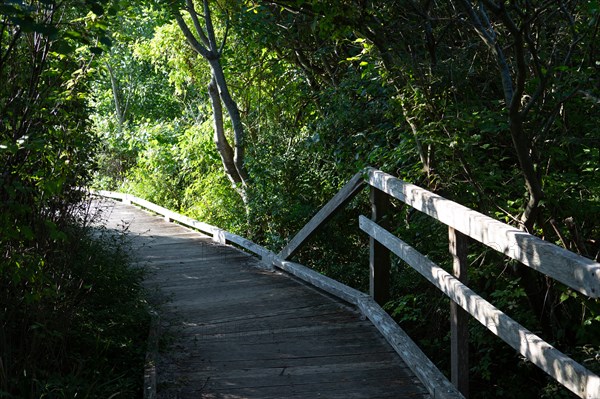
(577,272)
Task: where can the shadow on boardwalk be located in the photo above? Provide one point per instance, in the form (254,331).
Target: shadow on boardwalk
(235,331)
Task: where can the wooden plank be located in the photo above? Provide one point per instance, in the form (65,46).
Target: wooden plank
(577,272)
(174,216)
(565,370)
(324,373)
(323,361)
(311,380)
(349,191)
(435,382)
(379,255)
(274,319)
(337,387)
(459,318)
(168,214)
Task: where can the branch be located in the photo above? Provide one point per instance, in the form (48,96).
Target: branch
(223,146)
(515,103)
(15,38)
(115,90)
(227,25)
(192,11)
(589,96)
(210,30)
(191,39)
(301,10)
(488,36)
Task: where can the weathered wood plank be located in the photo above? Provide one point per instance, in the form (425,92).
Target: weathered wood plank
(333,389)
(577,272)
(433,379)
(312,380)
(565,370)
(219,235)
(349,191)
(273,319)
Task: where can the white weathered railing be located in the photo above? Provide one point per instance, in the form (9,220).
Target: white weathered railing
(577,272)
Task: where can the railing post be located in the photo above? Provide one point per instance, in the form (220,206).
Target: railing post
(379,255)
(459,318)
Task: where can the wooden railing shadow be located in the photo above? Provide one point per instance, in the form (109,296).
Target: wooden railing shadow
(464,224)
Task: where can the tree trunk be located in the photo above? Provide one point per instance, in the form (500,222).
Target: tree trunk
(116,91)
(234,116)
(513,83)
(204,43)
(223,147)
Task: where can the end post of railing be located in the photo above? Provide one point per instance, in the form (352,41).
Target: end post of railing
(379,255)
(459,318)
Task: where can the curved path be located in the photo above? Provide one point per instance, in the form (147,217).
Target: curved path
(235,331)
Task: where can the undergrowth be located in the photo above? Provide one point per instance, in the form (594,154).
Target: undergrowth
(77,325)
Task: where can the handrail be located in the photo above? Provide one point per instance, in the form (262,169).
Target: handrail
(562,368)
(346,193)
(580,273)
(577,272)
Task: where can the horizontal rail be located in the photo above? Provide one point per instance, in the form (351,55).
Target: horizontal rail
(565,370)
(576,271)
(318,280)
(438,386)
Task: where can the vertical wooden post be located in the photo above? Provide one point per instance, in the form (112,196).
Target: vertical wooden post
(459,318)
(379,256)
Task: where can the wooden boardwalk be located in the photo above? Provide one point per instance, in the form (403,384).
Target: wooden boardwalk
(236,331)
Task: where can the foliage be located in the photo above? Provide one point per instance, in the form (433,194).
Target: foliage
(55,280)
(326,88)
(81,331)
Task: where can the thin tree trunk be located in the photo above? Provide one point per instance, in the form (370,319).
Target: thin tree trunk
(205,44)
(116,92)
(236,120)
(223,147)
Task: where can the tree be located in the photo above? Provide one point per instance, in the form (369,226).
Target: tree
(518,39)
(204,42)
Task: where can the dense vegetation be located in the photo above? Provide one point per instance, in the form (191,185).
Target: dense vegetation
(251,114)
(72,313)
